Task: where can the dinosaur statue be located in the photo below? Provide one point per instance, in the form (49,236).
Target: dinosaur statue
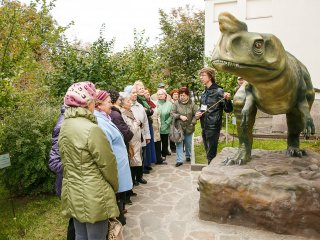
(277,83)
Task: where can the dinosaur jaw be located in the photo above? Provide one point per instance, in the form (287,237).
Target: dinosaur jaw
(227,65)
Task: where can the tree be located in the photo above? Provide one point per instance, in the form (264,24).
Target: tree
(181,47)
(137,62)
(27,36)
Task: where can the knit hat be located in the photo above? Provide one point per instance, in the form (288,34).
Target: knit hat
(101,96)
(114,95)
(80,94)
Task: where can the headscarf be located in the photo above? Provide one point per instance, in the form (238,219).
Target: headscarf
(80,94)
(101,96)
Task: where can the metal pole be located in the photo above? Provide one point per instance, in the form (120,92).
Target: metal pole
(226,128)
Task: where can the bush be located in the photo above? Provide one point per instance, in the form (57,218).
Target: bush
(26,136)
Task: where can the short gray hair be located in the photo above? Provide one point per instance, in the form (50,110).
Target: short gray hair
(123,96)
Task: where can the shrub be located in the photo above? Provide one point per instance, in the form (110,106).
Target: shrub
(26,136)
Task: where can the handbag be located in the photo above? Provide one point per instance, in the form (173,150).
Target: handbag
(115,229)
(176,133)
(130,151)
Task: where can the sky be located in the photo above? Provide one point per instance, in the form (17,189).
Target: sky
(119,16)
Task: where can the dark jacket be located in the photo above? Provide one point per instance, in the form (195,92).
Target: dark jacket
(55,163)
(211,120)
(117,119)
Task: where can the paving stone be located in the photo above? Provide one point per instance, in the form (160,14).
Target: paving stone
(202,235)
(167,208)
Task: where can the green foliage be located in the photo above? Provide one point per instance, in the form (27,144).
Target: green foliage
(137,62)
(26,136)
(181,47)
(27,36)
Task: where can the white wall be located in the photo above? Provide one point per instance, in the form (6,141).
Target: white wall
(295,23)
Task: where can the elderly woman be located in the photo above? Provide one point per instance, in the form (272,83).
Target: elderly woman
(116,117)
(135,142)
(183,114)
(102,112)
(90,177)
(174,95)
(150,154)
(156,127)
(174,98)
(164,108)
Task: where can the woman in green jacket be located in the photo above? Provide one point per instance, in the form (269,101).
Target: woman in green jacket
(164,108)
(90,170)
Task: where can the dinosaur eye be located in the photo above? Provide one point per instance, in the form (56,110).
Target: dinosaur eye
(258,46)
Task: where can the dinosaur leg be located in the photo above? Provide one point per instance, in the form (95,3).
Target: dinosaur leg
(295,122)
(245,111)
(305,103)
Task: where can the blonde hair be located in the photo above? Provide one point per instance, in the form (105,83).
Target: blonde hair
(138,82)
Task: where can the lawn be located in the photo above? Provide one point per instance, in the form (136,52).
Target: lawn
(35,217)
(268,144)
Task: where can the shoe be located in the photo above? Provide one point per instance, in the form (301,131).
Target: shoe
(168,153)
(188,159)
(146,171)
(178,164)
(149,168)
(173,150)
(161,163)
(133,194)
(129,202)
(125,211)
(143,181)
(136,183)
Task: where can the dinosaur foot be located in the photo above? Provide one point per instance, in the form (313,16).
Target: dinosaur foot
(296,152)
(240,158)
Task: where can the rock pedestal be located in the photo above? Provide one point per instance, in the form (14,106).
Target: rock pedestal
(273,191)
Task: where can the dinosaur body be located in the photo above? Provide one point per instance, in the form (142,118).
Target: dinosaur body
(277,83)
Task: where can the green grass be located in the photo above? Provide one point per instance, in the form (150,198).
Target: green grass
(267,144)
(36,217)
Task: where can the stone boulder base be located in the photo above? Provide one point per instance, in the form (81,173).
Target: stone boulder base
(273,191)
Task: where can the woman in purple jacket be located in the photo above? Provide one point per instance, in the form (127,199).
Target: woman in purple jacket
(55,166)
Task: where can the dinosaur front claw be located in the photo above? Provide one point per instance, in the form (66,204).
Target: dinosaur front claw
(240,158)
(310,129)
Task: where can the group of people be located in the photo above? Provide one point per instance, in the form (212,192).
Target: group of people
(105,141)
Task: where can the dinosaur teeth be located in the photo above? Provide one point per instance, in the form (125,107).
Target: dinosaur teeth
(228,64)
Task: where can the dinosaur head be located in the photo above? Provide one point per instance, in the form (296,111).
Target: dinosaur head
(253,56)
